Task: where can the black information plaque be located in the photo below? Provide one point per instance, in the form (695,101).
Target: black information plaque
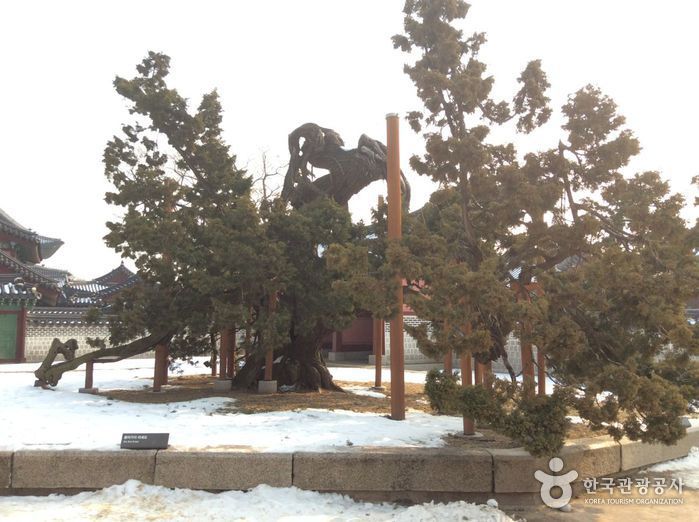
(144,440)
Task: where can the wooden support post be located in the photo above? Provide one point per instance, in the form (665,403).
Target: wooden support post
(377,346)
(269,363)
(467,380)
(89,375)
(488,376)
(160,367)
(223,354)
(478,373)
(541,364)
(395,233)
(449,363)
(527,365)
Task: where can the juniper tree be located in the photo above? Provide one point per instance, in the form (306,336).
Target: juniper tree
(556,246)
(211,257)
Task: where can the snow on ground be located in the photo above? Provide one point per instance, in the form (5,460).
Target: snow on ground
(687,468)
(136,501)
(367,374)
(65,419)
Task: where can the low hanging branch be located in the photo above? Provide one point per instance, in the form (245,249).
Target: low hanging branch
(48,374)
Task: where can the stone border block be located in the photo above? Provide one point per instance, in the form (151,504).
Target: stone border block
(222,470)
(5,469)
(636,454)
(81,469)
(513,469)
(404,469)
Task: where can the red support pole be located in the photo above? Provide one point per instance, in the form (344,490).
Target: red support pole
(395,233)
(377,345)
(160,367)
(21,334)
(527,364)
(449,363)
(89,367)
(488,374)
(478,373)
(269,363)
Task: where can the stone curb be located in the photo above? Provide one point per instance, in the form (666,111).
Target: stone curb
(636,454)
(5,469)
(80,469)
(375,472)
(407,469)
(513,469)
(222,470)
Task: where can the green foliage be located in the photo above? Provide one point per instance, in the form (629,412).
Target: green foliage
(443,392)
(209,255)
(537,422)
(556,246)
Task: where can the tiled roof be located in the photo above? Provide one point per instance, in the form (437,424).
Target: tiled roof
(118,273)
(94,293)
(59,316)
(25,271)
(47,245)
(58,275)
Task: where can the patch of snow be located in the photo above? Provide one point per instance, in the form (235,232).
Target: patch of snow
(351,374)
(62,418)
(686,468)
(575,419)
(136,501)
(359,390)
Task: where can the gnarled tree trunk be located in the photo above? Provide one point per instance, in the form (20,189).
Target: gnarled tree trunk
(48,374)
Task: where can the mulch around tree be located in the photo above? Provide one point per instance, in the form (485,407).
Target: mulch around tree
(193,387)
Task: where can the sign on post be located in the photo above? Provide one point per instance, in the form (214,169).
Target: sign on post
(145,440)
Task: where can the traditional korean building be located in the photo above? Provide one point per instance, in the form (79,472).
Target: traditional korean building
(39,303)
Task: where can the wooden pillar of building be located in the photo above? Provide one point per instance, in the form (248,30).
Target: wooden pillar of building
(337,342)
(377,343)
(160,366)
(395,233)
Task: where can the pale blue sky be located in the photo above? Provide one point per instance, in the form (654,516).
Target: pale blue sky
(278,64)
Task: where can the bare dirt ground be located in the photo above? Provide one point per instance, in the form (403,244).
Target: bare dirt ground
(187,388)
